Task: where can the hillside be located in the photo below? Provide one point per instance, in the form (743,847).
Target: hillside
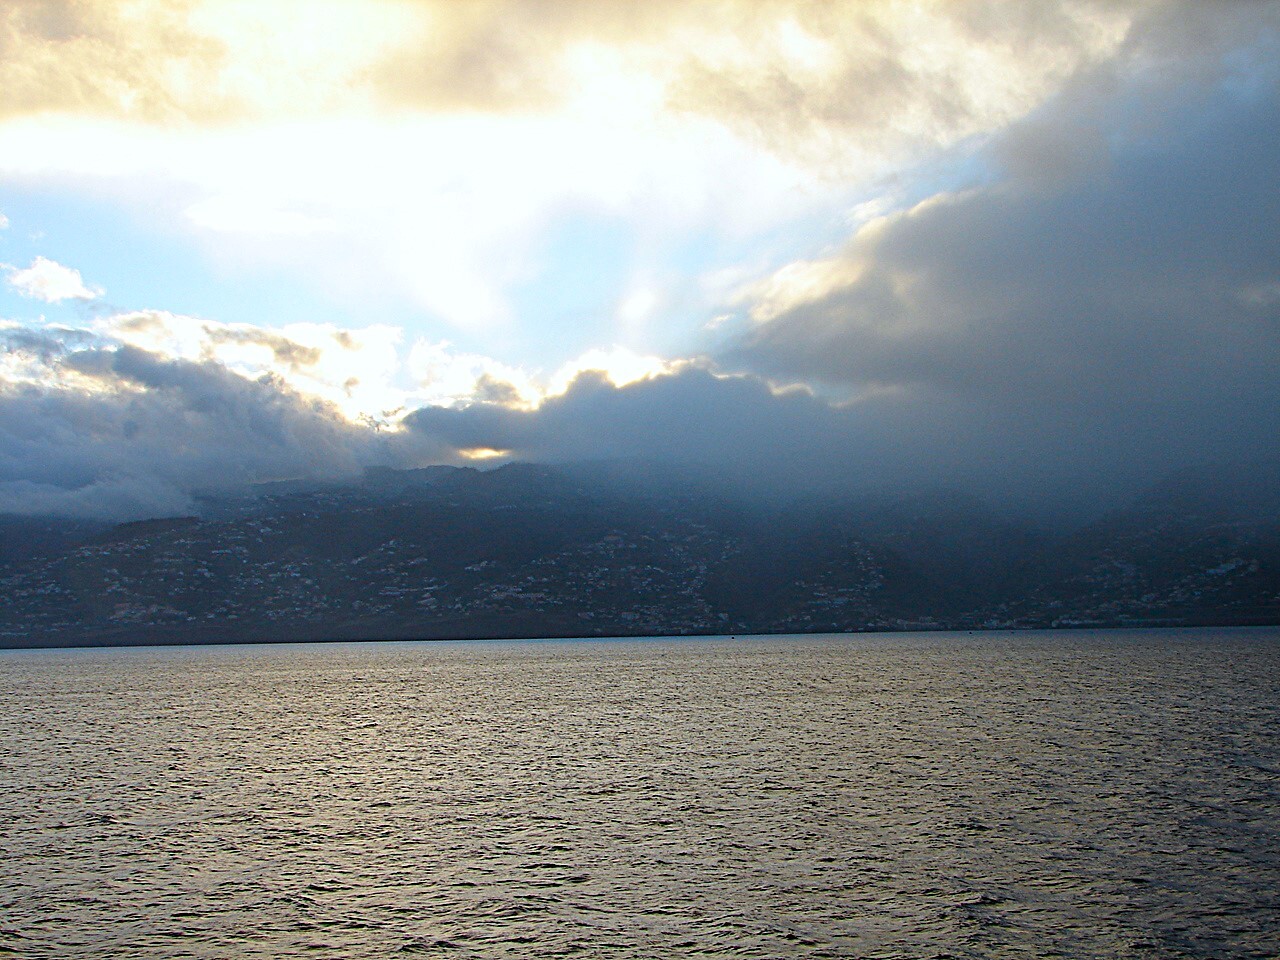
(539,551)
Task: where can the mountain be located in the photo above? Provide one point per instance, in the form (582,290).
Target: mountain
(621,549)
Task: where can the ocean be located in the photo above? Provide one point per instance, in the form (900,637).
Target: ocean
(1013,794)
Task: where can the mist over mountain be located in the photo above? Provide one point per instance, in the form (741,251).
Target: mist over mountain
(624,548)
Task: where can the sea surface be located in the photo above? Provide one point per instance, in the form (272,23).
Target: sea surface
(1064,794)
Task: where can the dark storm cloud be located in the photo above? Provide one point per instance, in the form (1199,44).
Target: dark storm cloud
(1100,314)
(742,432)
(690,416)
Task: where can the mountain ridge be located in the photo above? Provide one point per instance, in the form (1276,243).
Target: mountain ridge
(574,550)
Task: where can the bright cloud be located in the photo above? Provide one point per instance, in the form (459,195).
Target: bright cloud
(445,376)
(368,375)
(50,281)
(619,366)
(428,146)
(357,372)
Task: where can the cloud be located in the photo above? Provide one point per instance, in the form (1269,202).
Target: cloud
(1088,299)
(50,281)
(289,353)
(445,376)
(4,222)
(691,416)
(116,498)
(149,410)
(429,147)
(120,432)
(617,365)
(91,425)
(107,58)
(1093,316)
(188,61)
(254,215)
(853,85)
(355,370)
(820,82)
(783,68)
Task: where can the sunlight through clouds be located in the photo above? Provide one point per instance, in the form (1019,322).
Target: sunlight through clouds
(352,220)
(354,370)
(620,366)
(428,145)
(444,376)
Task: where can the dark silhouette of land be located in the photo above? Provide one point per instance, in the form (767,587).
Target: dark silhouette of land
(624,549)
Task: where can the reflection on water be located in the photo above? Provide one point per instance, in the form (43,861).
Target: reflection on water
(997,795)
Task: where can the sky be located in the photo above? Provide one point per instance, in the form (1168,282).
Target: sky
(1027,250)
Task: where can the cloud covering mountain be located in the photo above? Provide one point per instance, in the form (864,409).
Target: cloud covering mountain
(126,434)
(1038,263)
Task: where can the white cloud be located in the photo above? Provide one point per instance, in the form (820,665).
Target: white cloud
(4,222)
(445,377)
(51,282)
(365,374)
(449,378)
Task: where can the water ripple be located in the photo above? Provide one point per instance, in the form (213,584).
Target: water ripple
(1000,795)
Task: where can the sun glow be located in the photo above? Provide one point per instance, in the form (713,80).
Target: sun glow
(483,453)
(619,366)
(398,144)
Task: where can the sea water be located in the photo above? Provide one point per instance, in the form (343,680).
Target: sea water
(1068,794)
